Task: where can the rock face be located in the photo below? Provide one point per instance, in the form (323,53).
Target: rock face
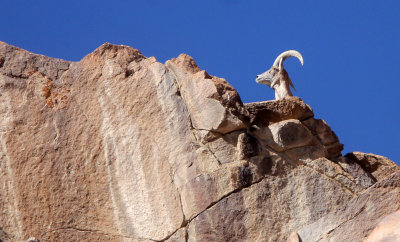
(387,229)
(356,219)
(120,147)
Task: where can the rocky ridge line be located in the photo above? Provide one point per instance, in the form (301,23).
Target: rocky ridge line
(121,147)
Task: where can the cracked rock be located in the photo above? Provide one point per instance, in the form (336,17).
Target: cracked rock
(378,166)
(121,147)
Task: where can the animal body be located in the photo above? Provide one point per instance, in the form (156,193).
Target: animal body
(277,77)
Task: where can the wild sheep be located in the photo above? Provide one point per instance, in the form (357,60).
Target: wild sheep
(277,77)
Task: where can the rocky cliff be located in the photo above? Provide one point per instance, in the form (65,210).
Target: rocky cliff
(120,147)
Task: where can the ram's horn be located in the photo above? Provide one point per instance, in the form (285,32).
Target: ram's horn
(282,57)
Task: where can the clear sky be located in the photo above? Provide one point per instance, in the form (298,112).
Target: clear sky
(351,49)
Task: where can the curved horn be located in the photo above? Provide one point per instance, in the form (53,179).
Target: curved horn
(282,57)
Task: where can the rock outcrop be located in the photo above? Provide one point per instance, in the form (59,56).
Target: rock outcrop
(120,147)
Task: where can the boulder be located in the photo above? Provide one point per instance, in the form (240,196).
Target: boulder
(289,134)
(268,112)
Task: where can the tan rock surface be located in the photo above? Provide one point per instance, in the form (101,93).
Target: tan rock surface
(294,237)
(378,166)
(322,130)
(356,219)
(120,147)
(388,230)
(360,176)
(83,162)
(213,104)
(271,209)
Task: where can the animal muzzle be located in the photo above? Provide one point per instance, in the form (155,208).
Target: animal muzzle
(261,80)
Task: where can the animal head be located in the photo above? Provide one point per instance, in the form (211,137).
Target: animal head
(276,73)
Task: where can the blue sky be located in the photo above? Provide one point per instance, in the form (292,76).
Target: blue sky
(351,49)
